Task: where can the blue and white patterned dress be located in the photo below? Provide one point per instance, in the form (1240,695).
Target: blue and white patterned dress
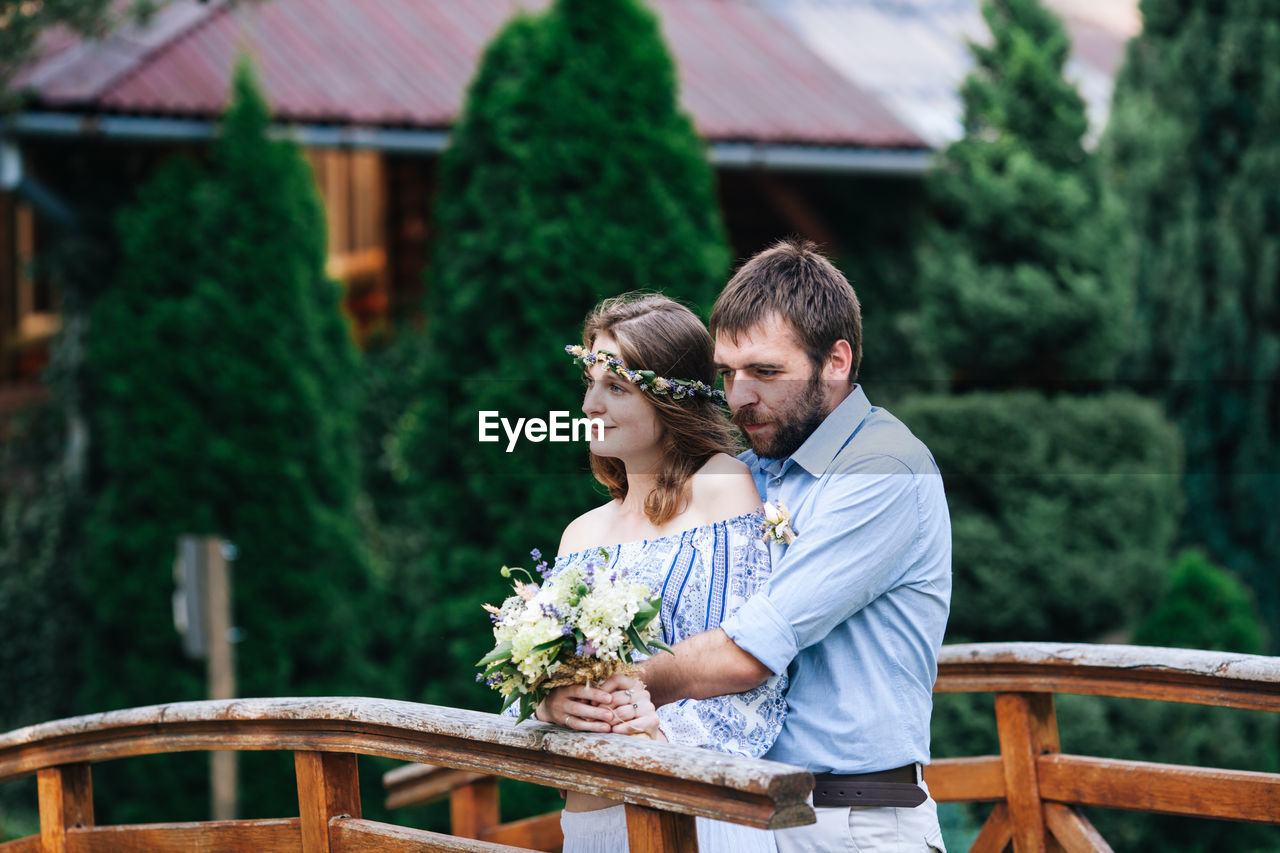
(704,574)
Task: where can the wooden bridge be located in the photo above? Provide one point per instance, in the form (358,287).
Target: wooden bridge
(1036,789)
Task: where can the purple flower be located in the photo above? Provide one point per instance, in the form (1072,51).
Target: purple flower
(587,648)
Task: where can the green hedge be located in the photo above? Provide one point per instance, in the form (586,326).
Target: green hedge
(1063,509)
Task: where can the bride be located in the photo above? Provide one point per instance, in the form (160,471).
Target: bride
(685,518)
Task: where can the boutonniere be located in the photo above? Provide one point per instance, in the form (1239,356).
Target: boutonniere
(777,523)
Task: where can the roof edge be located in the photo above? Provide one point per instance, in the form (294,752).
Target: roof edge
(724,155)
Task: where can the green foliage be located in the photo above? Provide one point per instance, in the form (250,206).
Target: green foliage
(40,500)
(1062,509)
(571,176)
(1019,270)
(1203,607)
(1192,149)
(222,379)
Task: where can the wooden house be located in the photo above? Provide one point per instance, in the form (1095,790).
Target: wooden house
(792,97)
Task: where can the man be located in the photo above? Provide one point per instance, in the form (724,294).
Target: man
(858,601)
(857,606)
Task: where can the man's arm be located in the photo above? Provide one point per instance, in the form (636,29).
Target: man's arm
(705,665)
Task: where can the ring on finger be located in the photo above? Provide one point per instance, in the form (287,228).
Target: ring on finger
(630,694)
(635,706)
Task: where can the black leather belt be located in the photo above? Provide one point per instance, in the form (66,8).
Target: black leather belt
(894,788)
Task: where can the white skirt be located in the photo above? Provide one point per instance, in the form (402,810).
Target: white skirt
(605,831)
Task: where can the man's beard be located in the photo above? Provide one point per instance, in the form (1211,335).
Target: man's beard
(792,425)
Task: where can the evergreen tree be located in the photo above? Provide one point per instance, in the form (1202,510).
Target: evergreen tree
(1192,148)
(571,176)
(222,376)
(1018,270)
(1066,499)
(1203,607)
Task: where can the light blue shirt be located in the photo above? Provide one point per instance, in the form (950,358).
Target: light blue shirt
(857,605)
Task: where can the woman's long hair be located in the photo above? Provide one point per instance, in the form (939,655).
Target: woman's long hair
(659,334)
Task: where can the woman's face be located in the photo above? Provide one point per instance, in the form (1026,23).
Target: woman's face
(631,427)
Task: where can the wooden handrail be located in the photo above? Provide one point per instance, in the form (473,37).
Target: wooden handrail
(664,784)
(1035,788)
(1128,672)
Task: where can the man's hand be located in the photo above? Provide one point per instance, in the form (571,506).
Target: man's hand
(705,665)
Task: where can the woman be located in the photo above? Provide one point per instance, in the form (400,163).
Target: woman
(684,518)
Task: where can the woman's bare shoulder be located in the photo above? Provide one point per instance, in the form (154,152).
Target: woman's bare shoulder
(587,530)
(724,487)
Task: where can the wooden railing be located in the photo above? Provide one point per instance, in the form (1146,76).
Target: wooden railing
(1036,788)
(663,785)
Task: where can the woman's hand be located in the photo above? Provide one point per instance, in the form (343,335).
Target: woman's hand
(578,707)
(633,709)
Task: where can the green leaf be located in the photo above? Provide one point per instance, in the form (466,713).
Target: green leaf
(501,651)
(636,640)
(527,706)
(659,644)
(549,644)
(512,697)
(647,612)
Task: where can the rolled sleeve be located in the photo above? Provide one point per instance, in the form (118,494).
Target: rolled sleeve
(764,633)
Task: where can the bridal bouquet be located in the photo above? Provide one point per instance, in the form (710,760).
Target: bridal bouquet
(578,627)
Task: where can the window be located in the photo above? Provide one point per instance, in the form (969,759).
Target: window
(30,313)
(353,187)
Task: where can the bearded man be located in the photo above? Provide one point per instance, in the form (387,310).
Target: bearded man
(858,602)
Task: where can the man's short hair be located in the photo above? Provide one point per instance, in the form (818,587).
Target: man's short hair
(798,283)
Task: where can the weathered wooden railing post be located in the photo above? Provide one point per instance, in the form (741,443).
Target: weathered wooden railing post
(653,831)
(66,801)
(1028,729)
(328,788)
(473,809)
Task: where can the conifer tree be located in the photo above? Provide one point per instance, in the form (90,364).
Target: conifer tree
(1024,292)
(1192,148)
(1018,269)
(221,372)
(572,176)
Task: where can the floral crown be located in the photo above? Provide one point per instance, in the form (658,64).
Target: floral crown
(678,389)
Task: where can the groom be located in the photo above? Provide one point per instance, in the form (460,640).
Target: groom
(857,604)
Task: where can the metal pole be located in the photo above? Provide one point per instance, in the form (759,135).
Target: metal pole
(221,669)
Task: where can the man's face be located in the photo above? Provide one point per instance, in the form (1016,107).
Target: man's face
(777,396)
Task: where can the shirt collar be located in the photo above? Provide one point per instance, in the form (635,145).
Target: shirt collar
(822,445)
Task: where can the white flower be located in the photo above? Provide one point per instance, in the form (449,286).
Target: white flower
(606,612)
(777,523)
(533,629)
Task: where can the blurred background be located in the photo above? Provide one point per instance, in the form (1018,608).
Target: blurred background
(263,262)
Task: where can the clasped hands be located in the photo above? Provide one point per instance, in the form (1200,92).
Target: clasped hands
(621,705)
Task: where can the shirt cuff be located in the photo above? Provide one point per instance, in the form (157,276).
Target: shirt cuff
(764,633)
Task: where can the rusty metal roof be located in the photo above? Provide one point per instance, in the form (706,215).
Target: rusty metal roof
(406,63)
(912,54)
